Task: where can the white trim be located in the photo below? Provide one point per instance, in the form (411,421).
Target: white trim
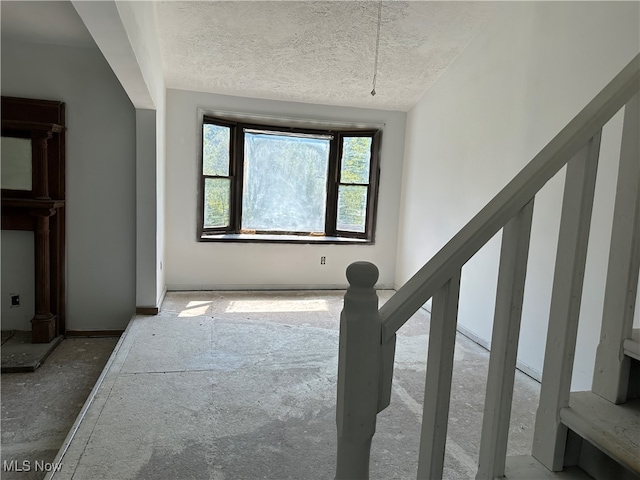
(161,299)
(276,238)
(282,121)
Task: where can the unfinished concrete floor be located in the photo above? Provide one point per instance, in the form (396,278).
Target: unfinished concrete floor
(20,355)
(39,408)
(242,385)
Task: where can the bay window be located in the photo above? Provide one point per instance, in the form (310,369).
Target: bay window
(266,183)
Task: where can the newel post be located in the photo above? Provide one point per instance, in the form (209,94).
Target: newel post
(358,372)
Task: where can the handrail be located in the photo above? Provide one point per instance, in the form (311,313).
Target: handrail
(367,334)
(513,197)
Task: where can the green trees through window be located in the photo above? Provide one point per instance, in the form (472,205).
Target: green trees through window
(269,180)
(217,184)
(353,187)
(285,183)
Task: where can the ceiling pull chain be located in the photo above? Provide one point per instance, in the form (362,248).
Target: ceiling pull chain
(375,68)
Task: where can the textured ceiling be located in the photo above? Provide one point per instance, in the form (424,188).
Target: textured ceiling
(315,51)
(305,51)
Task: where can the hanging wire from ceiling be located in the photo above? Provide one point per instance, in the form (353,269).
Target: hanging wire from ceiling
(375,67)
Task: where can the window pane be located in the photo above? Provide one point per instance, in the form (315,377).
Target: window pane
(215,149)
(285,183)
(352,208)
(216,202)
(356,157)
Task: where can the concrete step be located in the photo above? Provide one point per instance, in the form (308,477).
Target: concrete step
(612,429)
(525,467)
(632,345)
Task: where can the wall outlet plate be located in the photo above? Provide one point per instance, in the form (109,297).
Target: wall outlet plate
(15,300)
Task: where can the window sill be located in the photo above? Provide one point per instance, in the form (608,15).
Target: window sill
(290,239)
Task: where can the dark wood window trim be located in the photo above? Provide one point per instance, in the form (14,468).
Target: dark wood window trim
(331,235)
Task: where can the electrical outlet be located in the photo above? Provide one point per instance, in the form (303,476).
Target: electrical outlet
(15,300)
(323,260)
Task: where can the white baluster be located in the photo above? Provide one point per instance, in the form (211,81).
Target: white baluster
(504,344)
(550,436)
(611,375)
(437,392)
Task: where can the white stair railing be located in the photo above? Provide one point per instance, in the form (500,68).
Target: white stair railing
(364,378)
(504,342)
(566,297)
(611,378)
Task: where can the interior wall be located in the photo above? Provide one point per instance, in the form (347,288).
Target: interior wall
(18,278)
(138,19)
(146,217)
(193,265)
(514,87)
(161,126)
(101,149)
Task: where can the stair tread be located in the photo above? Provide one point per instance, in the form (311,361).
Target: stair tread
(525,467)
(614,429)
(632,345)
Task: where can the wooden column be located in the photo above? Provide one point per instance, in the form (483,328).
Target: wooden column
(40,160)
(43,324)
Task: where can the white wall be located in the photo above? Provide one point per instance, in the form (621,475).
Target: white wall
(100,175)
(161,203)
(150,153)
(18,277)
(138,19)
(196,265)
(515,86)
(126,34)
(146,208)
